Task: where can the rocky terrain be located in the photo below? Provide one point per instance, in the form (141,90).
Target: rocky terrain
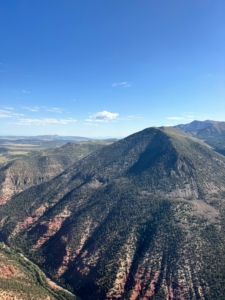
(142,218)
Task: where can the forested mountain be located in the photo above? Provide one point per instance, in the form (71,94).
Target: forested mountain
(41,166)
(196,125)
(213,135)
(142,218)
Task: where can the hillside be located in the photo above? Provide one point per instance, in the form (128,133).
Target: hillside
(41,166)
(213,136)
(142,218)
(20,279)
(196,125)
(16,147)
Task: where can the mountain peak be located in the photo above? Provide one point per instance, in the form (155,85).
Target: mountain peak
(138,219)
(195,125)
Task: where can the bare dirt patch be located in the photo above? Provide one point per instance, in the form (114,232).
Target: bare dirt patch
(201,208)
(7,270)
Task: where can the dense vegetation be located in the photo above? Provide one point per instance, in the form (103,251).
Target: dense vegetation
(196,125)
(213,136)
(211,132)
(142,218)
(20,278)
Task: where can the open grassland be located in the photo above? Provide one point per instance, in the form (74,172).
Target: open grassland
(11,154)
(16,145)
(10,151)
(18,153)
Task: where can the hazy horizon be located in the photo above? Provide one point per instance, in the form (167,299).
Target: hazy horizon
(91,137)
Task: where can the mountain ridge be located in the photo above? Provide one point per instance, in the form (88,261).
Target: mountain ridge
(132,220)
(213,135)
(195,125)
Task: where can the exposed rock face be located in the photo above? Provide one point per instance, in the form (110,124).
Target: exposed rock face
(7,270)
(140,219)
(51,226)
(4,198)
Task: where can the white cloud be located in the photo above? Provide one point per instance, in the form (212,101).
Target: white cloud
(189,115)
(67,121)
(35,108)
(43,121)
(8,108)
(124,84)
(184,116)
(9,114)
(90,124)
(55,109)
(103,116)
(134,117)
(26,92)
(175,118)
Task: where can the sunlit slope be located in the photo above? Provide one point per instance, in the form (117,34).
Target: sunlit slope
(142,218)
(196,125)
(17,147)
(20,279)
(213,135)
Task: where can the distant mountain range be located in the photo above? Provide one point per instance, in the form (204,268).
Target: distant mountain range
(142,218)
(196,125)
(211,132)
(53,137)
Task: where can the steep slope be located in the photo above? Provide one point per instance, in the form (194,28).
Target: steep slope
(142,218)
(196,125)
(213,136)
(174,130)
(20,279)
(23,173)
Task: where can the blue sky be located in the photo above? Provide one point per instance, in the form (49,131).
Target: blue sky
(109,67)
